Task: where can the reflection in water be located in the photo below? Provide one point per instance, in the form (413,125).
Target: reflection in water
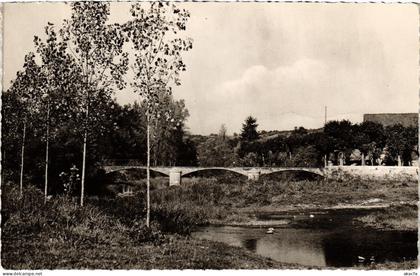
(290,247)
(318,247)
(381,245)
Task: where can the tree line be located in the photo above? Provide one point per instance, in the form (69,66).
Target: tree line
(59,112)
(300,147)
(59,109)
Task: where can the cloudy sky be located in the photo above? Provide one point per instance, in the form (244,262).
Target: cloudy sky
(281,63)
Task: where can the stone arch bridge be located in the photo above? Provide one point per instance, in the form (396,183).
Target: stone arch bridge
(175,173)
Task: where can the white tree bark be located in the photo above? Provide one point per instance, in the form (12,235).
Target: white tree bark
(47,140)
(22,158)
(148,172)
(82,188)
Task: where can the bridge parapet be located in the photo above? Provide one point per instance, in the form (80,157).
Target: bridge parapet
(341,172)
(175,173)
(110,169)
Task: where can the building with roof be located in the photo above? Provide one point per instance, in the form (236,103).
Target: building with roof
(389,119)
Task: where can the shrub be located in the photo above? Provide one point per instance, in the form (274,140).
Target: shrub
(127,209)
(178,218)
(20,215)
(139,233)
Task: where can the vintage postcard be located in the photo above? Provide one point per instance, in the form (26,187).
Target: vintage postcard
(209,135)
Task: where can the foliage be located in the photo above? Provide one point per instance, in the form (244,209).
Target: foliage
(97,48)
(69,93)
(167,131)
(339,134)
(398,217)
(72,236)
(63,235)
(157,58)
(249,130)
(11,135)
(223,132)
(402,141)
(157,63)
(305,157)
(64,220)
(217,152)
(302,147)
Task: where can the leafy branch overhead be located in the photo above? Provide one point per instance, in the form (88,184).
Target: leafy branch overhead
(96,46)
(157,48)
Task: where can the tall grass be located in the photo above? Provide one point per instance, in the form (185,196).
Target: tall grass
(61,225)
(63,220)
(396,217)
(177,209)
(208,199)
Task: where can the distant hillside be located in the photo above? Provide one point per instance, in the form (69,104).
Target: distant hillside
(268,135)
(264,135)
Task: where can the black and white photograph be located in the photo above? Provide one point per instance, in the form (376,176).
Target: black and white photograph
(209,136)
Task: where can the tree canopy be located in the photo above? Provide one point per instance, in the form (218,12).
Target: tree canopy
(249,130)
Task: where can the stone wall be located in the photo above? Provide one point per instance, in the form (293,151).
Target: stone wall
(403,173)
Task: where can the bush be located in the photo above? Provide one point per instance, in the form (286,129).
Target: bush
(139,233)
(128,210)
(178,218)
(62,219)
(22,211)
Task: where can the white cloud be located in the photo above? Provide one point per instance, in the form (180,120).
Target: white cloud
(280,98)
(281,63)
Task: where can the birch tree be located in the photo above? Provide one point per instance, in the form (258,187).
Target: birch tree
(97,48)
(27,87)
(170,119)
(61,79)
(154,33)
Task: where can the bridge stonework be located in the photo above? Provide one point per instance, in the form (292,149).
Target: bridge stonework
(400,173)
(175,173)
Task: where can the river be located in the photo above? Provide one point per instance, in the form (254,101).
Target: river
(317,238)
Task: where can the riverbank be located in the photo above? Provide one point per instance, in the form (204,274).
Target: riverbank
(395,217)
(63,235)
(406,265)
(388,216)
(176,252)
(110,233)
(240,203)
(384,205)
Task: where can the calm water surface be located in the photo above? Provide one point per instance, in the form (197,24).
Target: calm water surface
(324,239)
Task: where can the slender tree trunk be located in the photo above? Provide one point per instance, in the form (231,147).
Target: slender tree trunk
(148,172)
(156,147)
(155,154)
(46,154)
(82,188)
(157,150)
(22,158)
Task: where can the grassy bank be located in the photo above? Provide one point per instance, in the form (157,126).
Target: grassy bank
(176,253)
(406,265)
(236,201)
(396,217)
(62,235)
(109,233)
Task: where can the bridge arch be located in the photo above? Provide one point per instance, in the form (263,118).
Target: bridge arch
(162,171)
(237,171)
(303,173)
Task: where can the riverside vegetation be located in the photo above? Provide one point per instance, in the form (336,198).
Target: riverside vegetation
(62,101)
(61,234)
(233,200)
(110,233)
